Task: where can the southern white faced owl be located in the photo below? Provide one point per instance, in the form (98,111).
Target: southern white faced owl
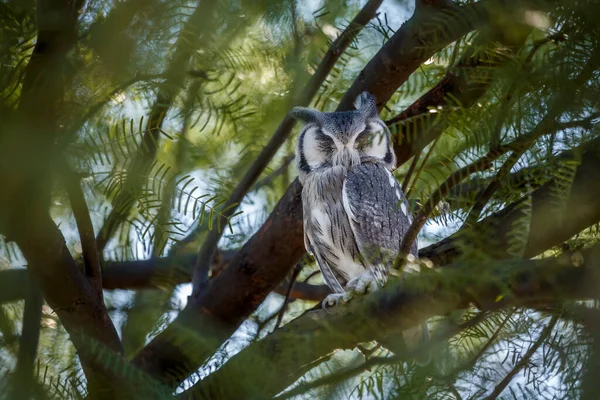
(355,213)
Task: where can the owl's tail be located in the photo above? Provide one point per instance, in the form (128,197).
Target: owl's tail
(413,341)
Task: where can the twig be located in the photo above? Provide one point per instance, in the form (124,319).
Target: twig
(452,376)
(492,338)
(423,163)
(410,171)
(267,180)
(295,274)
(180,156)
(338,47)
(312,274)
(485,196)
(524,361)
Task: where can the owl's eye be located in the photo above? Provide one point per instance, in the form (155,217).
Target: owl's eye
(325,143)
(363,139)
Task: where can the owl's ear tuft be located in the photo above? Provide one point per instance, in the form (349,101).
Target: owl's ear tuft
(366,104)
(306,114)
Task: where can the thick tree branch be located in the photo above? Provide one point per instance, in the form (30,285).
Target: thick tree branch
(91,261)
(376,361)
(416,126)
(26,156)
(154,273)
(427,32)
(70,294)
(278,358)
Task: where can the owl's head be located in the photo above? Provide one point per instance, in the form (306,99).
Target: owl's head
(343,138)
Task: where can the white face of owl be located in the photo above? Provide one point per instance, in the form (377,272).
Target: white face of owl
(343,138)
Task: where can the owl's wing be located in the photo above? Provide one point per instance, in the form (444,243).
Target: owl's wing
(378,213)
(320,249)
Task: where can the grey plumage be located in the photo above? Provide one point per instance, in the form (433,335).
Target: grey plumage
(355,213)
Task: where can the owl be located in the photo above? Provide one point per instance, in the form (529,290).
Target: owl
(355,213)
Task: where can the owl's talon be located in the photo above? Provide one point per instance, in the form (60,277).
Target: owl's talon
(333,300)
(363,284)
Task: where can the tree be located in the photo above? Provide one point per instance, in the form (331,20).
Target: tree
(145,145)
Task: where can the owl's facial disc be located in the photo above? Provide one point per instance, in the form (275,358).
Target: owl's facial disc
(315,149)
(374,142)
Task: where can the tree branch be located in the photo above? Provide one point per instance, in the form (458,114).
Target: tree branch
(375,361)
(424,34)
(398,306)
(91,261)
(416,127)
(154,273)
(286,299)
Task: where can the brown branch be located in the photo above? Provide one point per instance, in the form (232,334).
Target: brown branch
(398,306)
(154,273)
(286,299)
(416,126)
(336,50)
(410,171)
(267,180)
(523,361)
(70,294)
(91,261)
(416,41)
